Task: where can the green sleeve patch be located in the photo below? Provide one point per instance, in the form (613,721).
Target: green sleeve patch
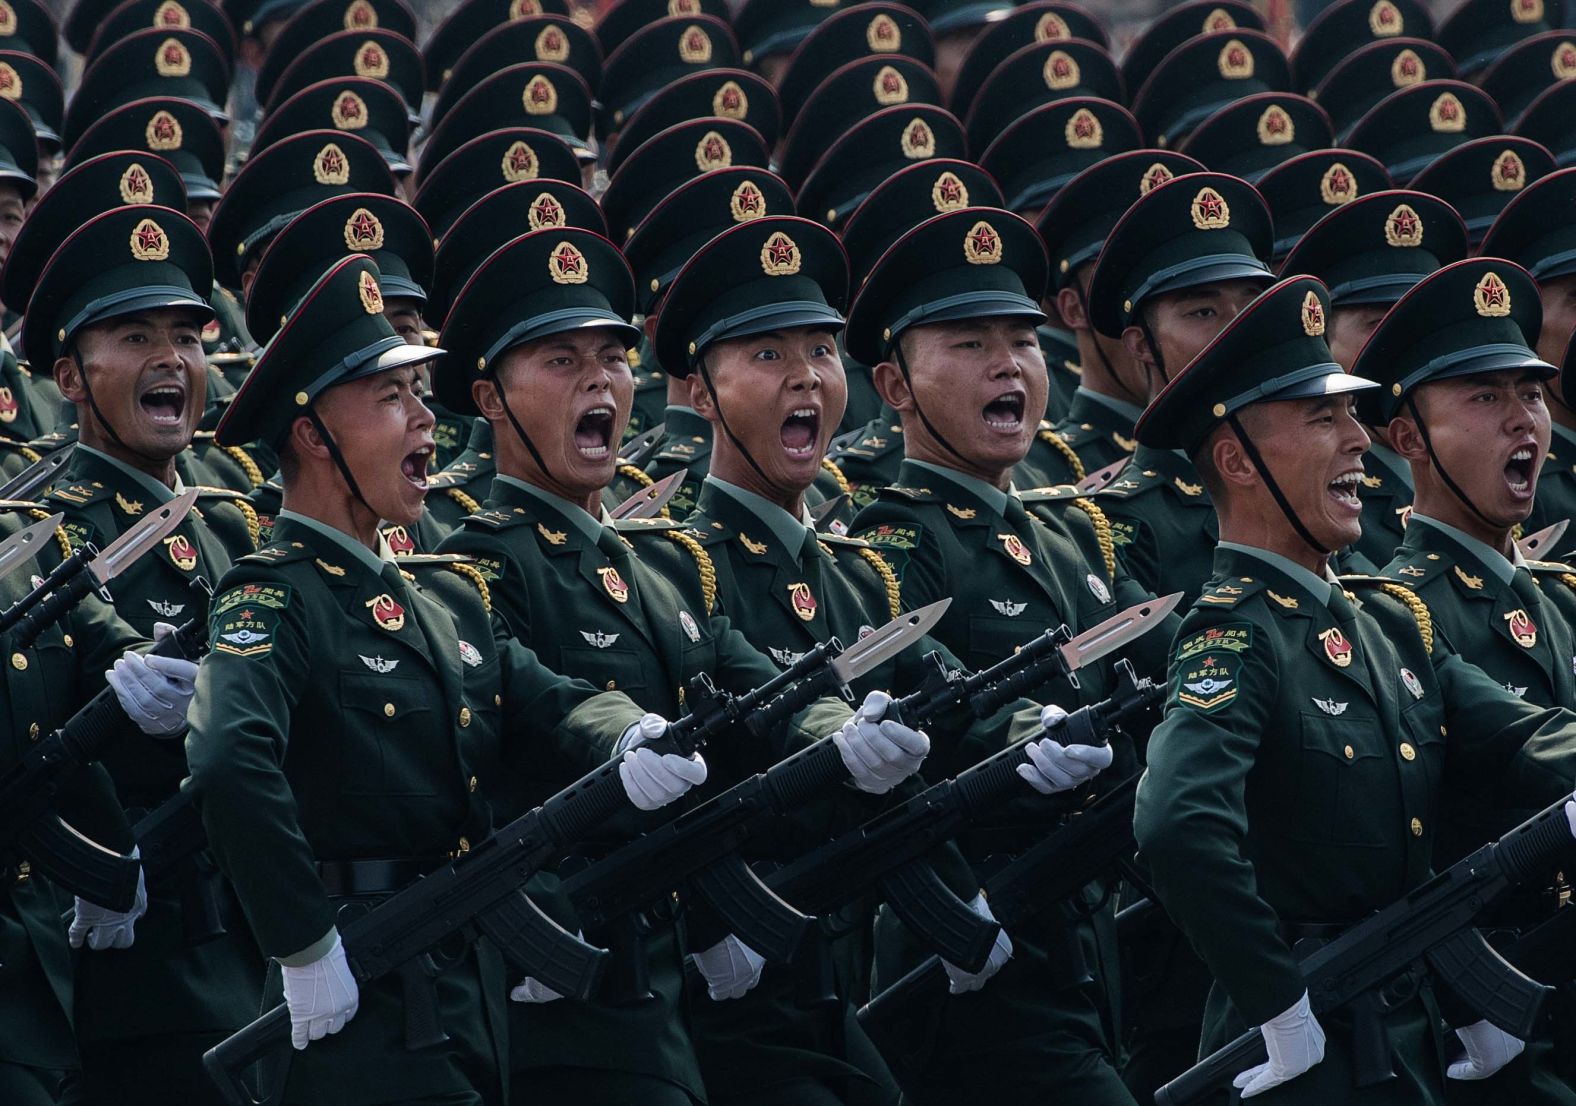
(1122,533)
(1232,638)
(79,533)
(887,536)
(1208,682)
(273,596)
(246,619)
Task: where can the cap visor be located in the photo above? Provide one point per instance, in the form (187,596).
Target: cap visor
(776,316)
(392,357)
(1211,270)
(1336,382)
(1493,361)
(154,299)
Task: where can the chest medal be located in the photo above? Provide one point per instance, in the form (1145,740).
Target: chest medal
(183,554)
(803,602)
(687,621)
(1413,684)
(1522,628)
(1015,548)
(614,584)
(388,614)
(1336,647)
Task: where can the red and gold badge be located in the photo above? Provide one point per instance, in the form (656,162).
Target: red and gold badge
(918,141)
(349,112)
(695,46)
(519,9)
(890,88)
(1337,186)
(1209,210)
(614,584)
(1526,11)
(1156,175)
(1060,71)
(388,614)
(7,19)
(1509,173)
(163,132)
(552,45)
(1403,227)
(211,331)
(1276,127)
(1384,20)
(399,539)
(1052,28)
(1312,315)
(1218,20)
(730,102)
(1336,647)
(330,166)
(1407,69)
(1015,548)
(712,152)
(183,554)
(803,601)
(10,82)
(363,231)
(1522,628)
(149,242)
(173,59)
(371,61)
(1446,115)
(567,265)
(136,187)
(360,15)
(882,35)
(1083,131)
(747,202)
(371,295)
(519,162)
(1563,60)
(8,405)
(780,255)
(540,96)
(949,192)
(171,14)
(545,211)
(982,245)
(1235,61)
(1491,297)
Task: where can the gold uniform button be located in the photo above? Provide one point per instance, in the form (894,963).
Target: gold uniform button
(19,662)
(1417,827)
(1350,752)
(465,717)
(612,685)
(1443,732)
(388,710)
(67,639)
(473,785)
(497,700)
(32,732)
(1407,752)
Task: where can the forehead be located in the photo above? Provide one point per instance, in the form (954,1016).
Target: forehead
(151,317)
(1220,289)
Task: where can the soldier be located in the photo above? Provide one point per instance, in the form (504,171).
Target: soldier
(25,411)
(1288,792)
(347,717)
(1368,253)
(1305,189)
(539,335)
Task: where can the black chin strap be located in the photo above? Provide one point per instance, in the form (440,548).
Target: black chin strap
(1274,486)
(1098,349)
(519,430)
(1154,351)
(1439,466)
(339,460)
(705,375)
(98,415)
(902,365)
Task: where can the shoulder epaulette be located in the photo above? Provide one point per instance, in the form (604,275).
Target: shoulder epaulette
(646,525)
(635,473)
(276,553)
(918,495)
(494,519)
(79,494)
(1051,493)
(1559,571)
(1050,437)
(703,563)
(1132,481)
(1402,594)
(1227,592)
(841,540)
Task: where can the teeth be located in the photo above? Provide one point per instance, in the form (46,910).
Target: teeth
(608,411)
(803,413)
(1521,455)
(1347,481)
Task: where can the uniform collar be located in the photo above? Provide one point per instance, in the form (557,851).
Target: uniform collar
(372,561)
(150,487)
(1128,412)
(1565,434)
(1393,462)
(1316,586)
(577,516)
(992,496)
(789,531)
(1491,559)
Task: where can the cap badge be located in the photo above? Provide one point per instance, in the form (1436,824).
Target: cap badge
(1564,60)
(183,554)
(567,265)
(780,255)
(1218,20)
(683,7)
(1337,186)
(1526,11)
(330,166)
(371,295)
(136,187)
(713,152)
(1015,548)
(1276,127)
(171,14)
(360,16)
(371,61)
(918,141)
(982,245)
(552,44)
(694,46)
(1407,69)
(1060,71)
(747,202)
(1491,297)
(519,162)
(1384,20)
(1210,210)
(1403,227)
(1446,115)
(890,87)
(388,614)
(149,242)
(949,192)
(730,102)
(163,132)
(803,601)
(7,19)
(1156,175)
(363,232)
(882,35)
(614,584)
(540,96)
(349,112)
(1083,131)
(10,82)
(1509,174)
(1522,628)
(1312,315)
(1336,647)
(545,211)
(172,59)
(1235,61)
(1051,28)
(519,9)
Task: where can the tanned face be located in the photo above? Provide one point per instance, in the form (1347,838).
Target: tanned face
(404,315)
(384,430)
(1350,328)
(1559,321)
(201,213)
(12,211)
(1184,322)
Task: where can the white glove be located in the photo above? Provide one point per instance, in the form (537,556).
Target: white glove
(534,991)
(107,929)
(648,729)
(1056,767)
(154,691)
(879,755)
(1295,1041)
(322,996)
(730,968)
(1489,1048)
(1000,953)
(1570,814)
(653,780)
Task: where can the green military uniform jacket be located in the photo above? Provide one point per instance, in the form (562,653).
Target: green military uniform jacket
(1060,349)
(1556,496)
(1386,493)
(463,485)
(162,984)
(869,458)
(1297,779)
(591,609)
(1099,430)
(1163,522)
(651,390)
(348,713)
(44,685)
(29,405)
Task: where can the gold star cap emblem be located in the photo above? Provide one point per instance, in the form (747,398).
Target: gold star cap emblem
(149,242)
(1403,227)
(1276,127)
(1209,210)
(982,245)
(712,152)
(567,265)
(1083,131)
(519,162)
(1446,115)
(730,101)
(1052,28)
(363,231)
(1526,11)
(1218,19)
(171,14)
(10,82)
(1156,175)
(1563,60)
(1384,20)
(172,59)
(918,141)
(780,255)
(1491,297)
(1312,315)
(163,132)
(948,193)
(330,166)
(371,61)
(360,16)
(349,112)
(882,35)
(545,211)
(540,96)
(1235,61)
(370,294)
(695,45)
(1509,173)
(136,187)
(1408,69)
(1337,186)
(890,88)
(1061,71)
(552,45)
(747,202)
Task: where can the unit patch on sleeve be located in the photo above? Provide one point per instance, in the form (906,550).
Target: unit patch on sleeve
(245,618)
(1208,681)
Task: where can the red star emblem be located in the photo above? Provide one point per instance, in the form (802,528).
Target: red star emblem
(172,54)
(780,251)
(364,228)
(150,237)
(540,93)
(1221,22)
(164,127)
(749,199)
(1386,16)
(567,261)
(730,99)
(137,181)
(1156,177)
(170,17)
(1493,291)
(361,17)
(1276,123)
(1083,126)
(1211,206)
(332,163)
(372,57)
(1408,67)
(1447,109)
(1509,170)
(983,239)
(6,80)
(553,42)
(1567,57)
(883,30)
(951,190)
(348,108)
(1340,182)
(1405,223)
(1236,57)
(889,82)
(246,615)
(519,160)
(548,211)
(1061,68)
(713,149)
(696,42)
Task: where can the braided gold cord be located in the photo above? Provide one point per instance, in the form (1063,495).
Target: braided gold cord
(1054,440)
(253,527)
(475,576)
(1568,580)
(465,501)
(888,577)
(1425,621)
(842,481)
(60,532)
(635,473)
(707,570)
(248,466)
(29,453)
(1102,534)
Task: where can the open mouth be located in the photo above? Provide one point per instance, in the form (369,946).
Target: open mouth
(594,434)
(1520,470)
(164,404)
(414,466)
(1005,413)
(801,430)
(1343,489)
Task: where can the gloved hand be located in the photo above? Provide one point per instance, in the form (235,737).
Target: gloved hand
(879,755)
(730,968)
(533,990)
(648,729)
(107,929)
(1489,1048)
(1055,767)
(653,780)
(1570,814)
(1000,953)
(322,996)
(1295,1041)
(154,691)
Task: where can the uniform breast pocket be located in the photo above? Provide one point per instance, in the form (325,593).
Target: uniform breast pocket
(611,668)
(1423,725)
(997,636)
(1341,783)
(390,742)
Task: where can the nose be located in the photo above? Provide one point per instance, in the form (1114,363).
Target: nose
(801,374)
(1355,441)
(422,417)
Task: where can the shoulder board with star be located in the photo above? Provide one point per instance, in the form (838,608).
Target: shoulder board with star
(840,541)
(416,560)
(913,495)
(1224,593)
(276,553)
(633,526)
(494,519)
(204,436)
(448,478)
(1553,570)
(1132,482)
(78,494)
(1054,493)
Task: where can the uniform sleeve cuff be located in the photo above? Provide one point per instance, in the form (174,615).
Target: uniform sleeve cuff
(313,952)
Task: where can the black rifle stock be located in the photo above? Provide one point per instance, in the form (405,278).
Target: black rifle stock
(1431,925)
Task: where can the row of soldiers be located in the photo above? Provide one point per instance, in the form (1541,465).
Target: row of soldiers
(755,249)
